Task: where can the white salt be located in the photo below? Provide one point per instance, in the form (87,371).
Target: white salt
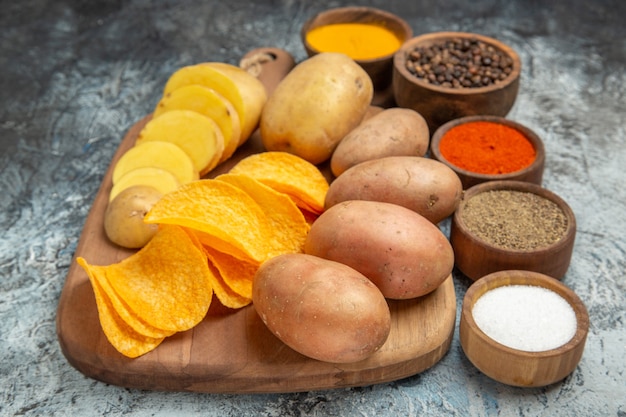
(525,317)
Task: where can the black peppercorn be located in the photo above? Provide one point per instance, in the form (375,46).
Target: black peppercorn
(459,63)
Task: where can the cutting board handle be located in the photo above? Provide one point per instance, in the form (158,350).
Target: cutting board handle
(269,65)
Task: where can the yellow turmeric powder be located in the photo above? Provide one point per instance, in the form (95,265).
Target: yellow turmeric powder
(357,40)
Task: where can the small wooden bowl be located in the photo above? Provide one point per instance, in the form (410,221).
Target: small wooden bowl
(379,69)
(517,367)
(439,104)
(532,173)
(476,258)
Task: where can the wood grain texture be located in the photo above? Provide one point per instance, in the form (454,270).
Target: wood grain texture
(231,351)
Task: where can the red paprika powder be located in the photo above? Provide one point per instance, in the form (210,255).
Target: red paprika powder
(487,148)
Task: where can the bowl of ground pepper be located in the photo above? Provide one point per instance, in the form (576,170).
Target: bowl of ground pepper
(368,35)
(489,148)
(448,75)
(523,328)
(509,225)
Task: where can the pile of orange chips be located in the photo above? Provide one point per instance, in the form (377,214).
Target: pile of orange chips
(213,236)
(141,301)
(289,174)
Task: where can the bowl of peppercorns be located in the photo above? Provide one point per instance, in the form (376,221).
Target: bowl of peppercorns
(448,75)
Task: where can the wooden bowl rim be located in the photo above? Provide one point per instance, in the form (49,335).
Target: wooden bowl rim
(535,140)
(521,277)
(406,31)
(566,239)
(399,62)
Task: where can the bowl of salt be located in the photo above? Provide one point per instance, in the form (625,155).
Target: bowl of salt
(523,328)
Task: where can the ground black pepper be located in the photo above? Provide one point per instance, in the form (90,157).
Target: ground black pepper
(460,63)
(514,219)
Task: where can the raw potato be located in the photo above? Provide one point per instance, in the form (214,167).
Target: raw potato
(244,91)
(209,103)
(198,135)
(315,106)
(158,178)
(426,186)
(252,92)
(371,112)
(392,132)
(123,218)
(401,252)
(157,154)
(322,309)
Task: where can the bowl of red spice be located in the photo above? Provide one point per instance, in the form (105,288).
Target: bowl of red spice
(489,148)
(368,35)
(523,328)
(448,75)
(510,225)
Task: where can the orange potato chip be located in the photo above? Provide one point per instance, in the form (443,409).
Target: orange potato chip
(288,226)
(305,207)
(123,338)
(235,273)
(97,276)
(288,174)
(194,238)
(222,216)
(309,215)
(207,239)
(166,283)
(224,293)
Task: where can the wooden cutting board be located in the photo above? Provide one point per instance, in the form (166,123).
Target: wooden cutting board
(231,351)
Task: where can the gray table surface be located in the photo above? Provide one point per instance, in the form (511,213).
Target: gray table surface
(74,75)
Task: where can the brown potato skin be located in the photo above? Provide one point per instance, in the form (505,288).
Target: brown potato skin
(424,185)
(123,217)
(371,112)
(392,132)
(401,252)
(322,309)
(322,99)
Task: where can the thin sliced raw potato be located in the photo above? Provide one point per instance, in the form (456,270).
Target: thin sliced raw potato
(210,103)
(163,181)
(173,295)
(196,134)
(287,224)
(243,90)
(289,174)
(157,154)
(236,274)
(253,93)
(121,336)
(222,215)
